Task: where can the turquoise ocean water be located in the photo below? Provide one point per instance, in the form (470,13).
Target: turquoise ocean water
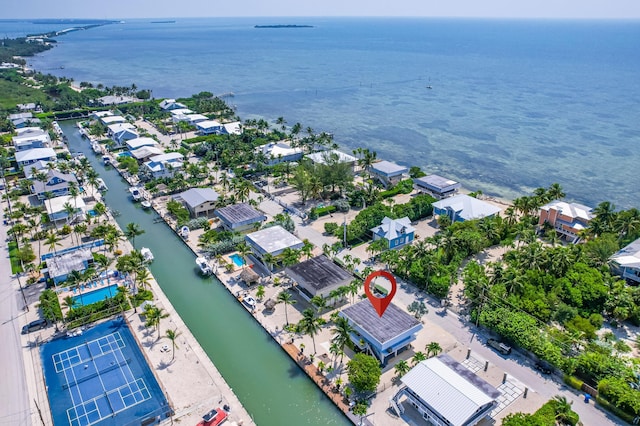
(514,104)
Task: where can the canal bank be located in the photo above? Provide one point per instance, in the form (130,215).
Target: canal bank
(268,383)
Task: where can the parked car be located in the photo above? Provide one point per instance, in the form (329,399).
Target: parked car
(499,346)
(34,326)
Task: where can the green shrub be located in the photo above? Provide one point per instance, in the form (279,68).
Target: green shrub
(331,227)
(615,410)
(573,381)
(617,391)
(323,211)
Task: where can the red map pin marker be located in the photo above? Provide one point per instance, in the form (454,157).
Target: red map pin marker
(380,304)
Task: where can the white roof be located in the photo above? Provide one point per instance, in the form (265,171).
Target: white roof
(234,128)
(35,154)
(572,210)
(171,156)
(100,114)
(119,127)
(393,228)
(276,149)
(274,239)
(320,157)
(446,391)
(146,151)
(629,256)
(29,130)
(388,168)
(466,207)
(181,111)
(112,119)
(208,124)
(38,165)
(196,118)
(55,205)
(140,142)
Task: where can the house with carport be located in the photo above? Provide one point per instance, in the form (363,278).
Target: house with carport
(318,276)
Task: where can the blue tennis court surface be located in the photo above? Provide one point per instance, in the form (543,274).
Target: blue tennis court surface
(101,377)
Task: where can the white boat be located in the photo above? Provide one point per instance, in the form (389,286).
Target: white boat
(106,160)
(146,253)
(101,185)
(146,204)
(184,232)
(136,193)
(249,302)
(96,147)
(202,263)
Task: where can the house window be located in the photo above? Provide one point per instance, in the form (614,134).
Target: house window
(401,240)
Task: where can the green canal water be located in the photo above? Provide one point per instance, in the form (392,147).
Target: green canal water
(269,384)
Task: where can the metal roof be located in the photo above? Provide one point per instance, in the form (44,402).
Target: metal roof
(241,213)
(322,157)
(274,240)
(196,196)
(318,273)
(383,328)
(466,207)
(63,264)
(629,256)
(572,210)
(449,388)
(388,168)
(393,228)
(35,154)
(437,183)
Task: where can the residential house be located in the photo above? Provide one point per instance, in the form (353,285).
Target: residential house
(388,173)
(171,104)
(33,168)
(56,208)
(278,152)
(437,186)
(233,128)
(136,143)
(626,263)
(145,152)
(30,156)
(568,219)
(60,266)
(21,123)
(110,119)
(445,393)
(210,127)
(324,157)
(462,207)
(100,114)
(381,336)
(163,165)
(116,100)
(398,232)
(122,132)
(28,107)
(31,137)
(318,276)
(199,201)
(240,217)
(20,115)
(56,183)
(272,241)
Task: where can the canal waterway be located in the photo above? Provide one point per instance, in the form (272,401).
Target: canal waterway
(273,389)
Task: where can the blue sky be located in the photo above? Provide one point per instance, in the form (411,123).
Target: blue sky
(113,9)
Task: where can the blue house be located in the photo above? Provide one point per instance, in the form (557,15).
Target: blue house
(56,183)
(59,267)
(398,232)
(462,207)
(381,336)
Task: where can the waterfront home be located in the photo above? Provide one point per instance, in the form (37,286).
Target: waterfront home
(19,115)
(145,152)
(318,276)
(31,137)
(136,143)
(57,208)
(381,336)
(108,120)
(32,169)
(210,127)
(398,232)
(568,219)
(278,152)
(163,165)
(388,173)
(272,241)
(171,104)
(21,123)
(462,207)
(188,117)
(626,263)
(100,114)
(445,392)
(240,217)
(324,157)
(60,266)
(233,128)
(116,100)
(30,156)
(199,201)
(27,107)
(112,129)
(437,186)
(56,183)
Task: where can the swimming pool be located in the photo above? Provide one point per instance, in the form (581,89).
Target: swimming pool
(97,295)
(237,259)
(101,377)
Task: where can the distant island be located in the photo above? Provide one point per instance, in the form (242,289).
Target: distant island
(283,26)
(163,22)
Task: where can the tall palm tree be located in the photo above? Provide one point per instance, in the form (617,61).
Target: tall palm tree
(555,192)
(52,241)
(286,298)
(243,250)
(319,302)
(142,277)
(132,231)
(173,335)
(310,324)
(433,349)
(341,333)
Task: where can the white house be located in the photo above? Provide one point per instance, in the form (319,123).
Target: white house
(462,207)
(233,128)
(163,165)
(30,156)
(100,114)
(278,152)
(171,104)
(116,100)
(31,137)
(626,263)
(139,143)
(108,120)
(323,157)
(210,127)
(56,209)
(145,152)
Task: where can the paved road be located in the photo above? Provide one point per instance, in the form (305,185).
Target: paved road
(14,395)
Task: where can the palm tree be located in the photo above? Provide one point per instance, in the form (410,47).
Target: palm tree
(341,333)
(402,367)
(142,277)
(132,231)
(555,192)
(310,324)
(69,302)
(173,335)
(418,357)
(319,302)
(243,250)
(433,349)
(563,408)
(286,298)
(52,241)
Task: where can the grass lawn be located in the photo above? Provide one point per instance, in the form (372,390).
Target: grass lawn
(12,93)
(13,254)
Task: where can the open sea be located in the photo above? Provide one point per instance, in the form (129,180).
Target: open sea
(514,104)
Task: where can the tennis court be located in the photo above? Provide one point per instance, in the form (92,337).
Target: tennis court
(101,377)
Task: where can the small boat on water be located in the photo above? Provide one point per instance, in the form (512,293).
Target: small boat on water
(106,160)
(136,193)
(101,185)
(184,232)
(146,204)
(96,147)
(202,263)
(146,253)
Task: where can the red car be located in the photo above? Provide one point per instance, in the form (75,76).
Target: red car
(213,417)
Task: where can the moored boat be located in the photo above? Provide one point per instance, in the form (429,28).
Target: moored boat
(184,232)
(136,193)
(146,204)
(146,253)
(202,263)
(106,160)
(101,186)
